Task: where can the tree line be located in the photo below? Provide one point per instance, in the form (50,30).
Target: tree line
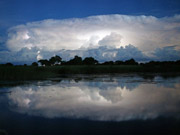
(57,60)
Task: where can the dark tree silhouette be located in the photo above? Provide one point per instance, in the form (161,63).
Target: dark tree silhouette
(108,63)
(130,62)
(63,62)
(8,64)
(177,62)
(44,62)
(90,61)
(75,61)
(118,62)
(34,64)
(55,60)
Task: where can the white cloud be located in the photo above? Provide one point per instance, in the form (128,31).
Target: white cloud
(113,39)
(145,32)
(102,53)
(105,37)
(103,100)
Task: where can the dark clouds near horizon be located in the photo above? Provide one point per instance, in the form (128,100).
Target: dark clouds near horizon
(103,53)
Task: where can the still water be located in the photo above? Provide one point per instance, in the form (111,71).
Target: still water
(106,104)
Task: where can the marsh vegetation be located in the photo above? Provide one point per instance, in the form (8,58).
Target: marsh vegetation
(55,67)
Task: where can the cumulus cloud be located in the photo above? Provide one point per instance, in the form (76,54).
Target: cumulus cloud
(113,39)
(104,37)
(24,56)
(168,53)
(145,32)
(102,53)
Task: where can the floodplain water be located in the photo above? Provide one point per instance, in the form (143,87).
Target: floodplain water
(92,104)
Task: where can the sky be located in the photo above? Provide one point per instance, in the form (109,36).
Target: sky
(104,29)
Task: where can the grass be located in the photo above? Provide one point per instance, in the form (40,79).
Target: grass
(27,73)
(99,69)
(3,132)
(40,73)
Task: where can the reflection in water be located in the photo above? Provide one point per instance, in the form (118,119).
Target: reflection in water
(114,99)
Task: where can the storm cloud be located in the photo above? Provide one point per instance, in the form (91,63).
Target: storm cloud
(102,53)
(145,32)
(104,37)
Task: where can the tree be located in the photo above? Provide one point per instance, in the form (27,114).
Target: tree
(75,61)
(108,63)
(130,62)
(55,60)
(8,64)
(177,62)
(118,62)
(90,61)
(44,62)
(34,64)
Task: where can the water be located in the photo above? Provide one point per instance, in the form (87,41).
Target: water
(127,104)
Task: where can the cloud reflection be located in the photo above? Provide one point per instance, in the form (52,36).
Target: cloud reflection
(87,100)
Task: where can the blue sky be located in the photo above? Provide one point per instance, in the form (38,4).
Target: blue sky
(15,13)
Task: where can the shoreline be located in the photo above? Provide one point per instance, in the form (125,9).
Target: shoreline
(43,73)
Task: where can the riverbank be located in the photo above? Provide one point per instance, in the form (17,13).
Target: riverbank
(41,73)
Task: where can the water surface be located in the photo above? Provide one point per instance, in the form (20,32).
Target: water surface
(119,102)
